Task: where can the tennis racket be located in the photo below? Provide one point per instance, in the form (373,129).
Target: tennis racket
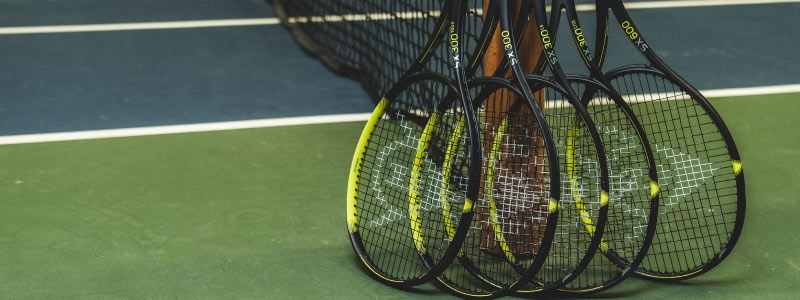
(503,269)
(702,205)
(517,208)
(634,186)
(415,171)
(584,170)
(516,217)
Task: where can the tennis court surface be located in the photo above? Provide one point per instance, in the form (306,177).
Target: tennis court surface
(258,213)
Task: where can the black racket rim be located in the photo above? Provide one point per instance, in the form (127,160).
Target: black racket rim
(434,268)
(626,267)
(560,83)
(602,214)
(736,165)
(525,273)
(598,81)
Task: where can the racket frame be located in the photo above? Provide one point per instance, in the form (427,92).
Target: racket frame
(634,35)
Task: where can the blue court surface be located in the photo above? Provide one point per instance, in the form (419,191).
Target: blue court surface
(95,79)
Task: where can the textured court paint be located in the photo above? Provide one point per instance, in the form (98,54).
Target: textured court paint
(233,215)
(256,214)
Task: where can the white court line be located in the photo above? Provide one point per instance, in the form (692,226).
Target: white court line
(138,26)
(696,3)
(173,129)
(752,91)
(334,18)
(327,119)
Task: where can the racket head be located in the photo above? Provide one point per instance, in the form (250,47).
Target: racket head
(583,207)
(701,113)
(634,190)
(517,210)
(398,182)
(634,179)
(702,205)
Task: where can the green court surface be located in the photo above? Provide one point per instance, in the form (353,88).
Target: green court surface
(260,214)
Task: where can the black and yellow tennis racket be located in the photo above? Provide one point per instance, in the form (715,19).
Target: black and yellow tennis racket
(700,171)
(584,168)
(507,252)
(633,204)
(517,209)
(412,161)
(415,171)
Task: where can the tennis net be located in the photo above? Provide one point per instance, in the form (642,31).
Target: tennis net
(372,41)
